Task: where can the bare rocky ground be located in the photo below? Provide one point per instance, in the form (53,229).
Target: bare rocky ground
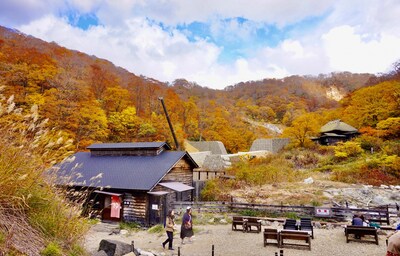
(232,243)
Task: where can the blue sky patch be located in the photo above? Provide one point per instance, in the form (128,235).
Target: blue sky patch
(83,21)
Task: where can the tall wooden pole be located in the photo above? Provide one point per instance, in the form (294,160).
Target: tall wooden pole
(169,123)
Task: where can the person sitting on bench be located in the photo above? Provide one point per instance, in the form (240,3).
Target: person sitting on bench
(357,221)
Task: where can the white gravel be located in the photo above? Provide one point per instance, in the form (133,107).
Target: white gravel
(232,243)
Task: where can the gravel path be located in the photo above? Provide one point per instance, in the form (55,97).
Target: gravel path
(232,243)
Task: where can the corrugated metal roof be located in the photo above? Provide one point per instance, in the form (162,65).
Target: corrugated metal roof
(133,145)
(177,186)
(337,125)
(216,147)
(123,172)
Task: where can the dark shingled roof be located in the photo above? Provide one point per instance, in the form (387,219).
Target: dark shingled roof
(119,172)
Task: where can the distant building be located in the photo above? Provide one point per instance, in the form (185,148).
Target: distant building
(336,131)
(272,145)
(129,181)
(215,147)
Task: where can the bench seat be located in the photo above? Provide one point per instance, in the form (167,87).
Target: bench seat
(361,231)
(285,235)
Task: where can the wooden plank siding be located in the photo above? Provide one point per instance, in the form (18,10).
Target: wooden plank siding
(135,207)
(181,172)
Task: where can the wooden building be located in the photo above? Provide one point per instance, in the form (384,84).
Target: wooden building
(129,181)
(336,131)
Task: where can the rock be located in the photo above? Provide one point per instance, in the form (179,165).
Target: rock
(329,226)
(378,200)
(309,180)
(397,187)
(100,253)
(123,232)
(142,252)
(317,224)
(211,220)
(384,186)
(223,221)
(114,248)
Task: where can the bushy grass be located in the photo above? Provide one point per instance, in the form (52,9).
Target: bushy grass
(52,249)
(156,229)
(130,226)
(27,150)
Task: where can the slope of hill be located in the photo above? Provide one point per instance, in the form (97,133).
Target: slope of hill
(89,99)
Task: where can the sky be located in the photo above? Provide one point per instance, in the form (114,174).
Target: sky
(217,43)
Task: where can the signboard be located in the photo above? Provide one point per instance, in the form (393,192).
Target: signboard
(154,206)
(323,212)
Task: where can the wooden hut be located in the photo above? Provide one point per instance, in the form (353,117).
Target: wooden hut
(336,131)
(129,181)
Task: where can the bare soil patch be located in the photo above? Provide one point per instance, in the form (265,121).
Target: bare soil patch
(232,243)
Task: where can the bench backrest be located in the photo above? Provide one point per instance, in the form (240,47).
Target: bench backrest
(237,218)
(291,234)
(361,230)
(271,230)
(252,220)
(290,224)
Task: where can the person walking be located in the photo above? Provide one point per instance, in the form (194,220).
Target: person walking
(169,228)
(187,225)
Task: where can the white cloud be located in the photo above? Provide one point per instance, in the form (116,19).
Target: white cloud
(140,47)
(348,51)
(356,36)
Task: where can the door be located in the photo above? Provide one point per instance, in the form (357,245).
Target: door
(156,209)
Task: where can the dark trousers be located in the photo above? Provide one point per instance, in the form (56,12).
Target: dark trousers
(169,239)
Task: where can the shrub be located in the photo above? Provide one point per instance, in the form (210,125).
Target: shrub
(77,250)
(52,249)
(347,149)
(291,215)
(250,213)
(271,169)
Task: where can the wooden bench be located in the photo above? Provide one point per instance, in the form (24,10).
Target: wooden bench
(253,222)
(306,225)
(290,224)
(271,233)
(239,221)
(294,235)
(360,231)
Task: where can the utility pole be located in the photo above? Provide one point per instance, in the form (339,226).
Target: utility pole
(169,123)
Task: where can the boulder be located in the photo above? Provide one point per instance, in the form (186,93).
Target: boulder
(309,180)
(114,248)
(100,253)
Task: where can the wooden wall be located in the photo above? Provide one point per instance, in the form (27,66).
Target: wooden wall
(135,207)
(182,172)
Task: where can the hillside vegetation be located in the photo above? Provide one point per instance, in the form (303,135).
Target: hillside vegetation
(90,100)
(55,101)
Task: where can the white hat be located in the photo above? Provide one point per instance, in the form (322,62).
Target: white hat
(188,208)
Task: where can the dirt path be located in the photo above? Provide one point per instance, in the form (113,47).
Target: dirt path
(232,243)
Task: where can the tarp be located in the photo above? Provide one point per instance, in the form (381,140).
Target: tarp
(115,207)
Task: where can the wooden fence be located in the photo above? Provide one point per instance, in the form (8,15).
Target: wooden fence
(380,214)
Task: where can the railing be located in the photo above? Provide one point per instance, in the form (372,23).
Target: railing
(379,214)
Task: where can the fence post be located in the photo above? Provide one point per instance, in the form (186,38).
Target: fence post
(281,253)
(212,250)
(179,251)
(133,246)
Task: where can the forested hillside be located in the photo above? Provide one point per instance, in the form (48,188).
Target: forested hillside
(88,99)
